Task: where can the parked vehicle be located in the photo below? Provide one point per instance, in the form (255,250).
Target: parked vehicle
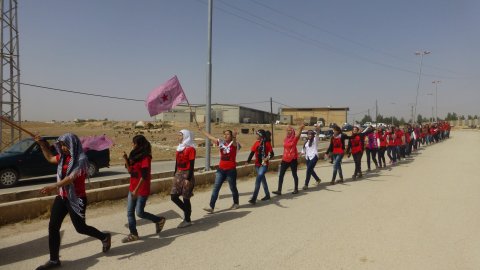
(25,159)
(323,135)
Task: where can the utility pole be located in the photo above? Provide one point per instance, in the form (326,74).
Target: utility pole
(376,112)
(413,120)
(208,104)
(10,102)
(271,120)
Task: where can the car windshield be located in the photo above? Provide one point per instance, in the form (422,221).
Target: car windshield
(21,146)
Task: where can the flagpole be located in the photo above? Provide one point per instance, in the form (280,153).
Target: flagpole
(8,122)
(209,87)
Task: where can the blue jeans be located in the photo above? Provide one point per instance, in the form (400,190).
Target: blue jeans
(260,179)
(138,205)
(311,170)
(220,176)
(337,166)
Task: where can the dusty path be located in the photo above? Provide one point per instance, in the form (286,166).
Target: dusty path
(421,214)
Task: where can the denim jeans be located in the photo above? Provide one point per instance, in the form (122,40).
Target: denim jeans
(260,179)
(373,154)
(138,205)
(337,166)
(311,170)
(220,177)
(357,158)
(392,153)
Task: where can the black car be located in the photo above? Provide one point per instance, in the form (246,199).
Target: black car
(25,159)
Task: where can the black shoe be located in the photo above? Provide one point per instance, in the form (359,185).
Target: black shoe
(341,180)
(332,182)
(360,175)
(50,265)
(354,177)
(107,243)
(305,187)
(277,193)
(252,201)
(295,191)
(266,198)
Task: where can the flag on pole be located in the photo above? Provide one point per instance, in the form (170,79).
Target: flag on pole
(165,97)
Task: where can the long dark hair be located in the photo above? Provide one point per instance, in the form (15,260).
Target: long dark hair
(310,141)
(142,149)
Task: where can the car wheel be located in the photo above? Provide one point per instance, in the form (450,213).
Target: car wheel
(92,169)
(8,178)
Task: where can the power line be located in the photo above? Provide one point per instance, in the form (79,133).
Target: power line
(79,92)
(308,40)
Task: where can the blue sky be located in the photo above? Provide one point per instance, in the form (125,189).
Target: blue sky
(302,53)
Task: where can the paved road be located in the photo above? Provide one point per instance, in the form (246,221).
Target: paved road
(421,214)
(119,171)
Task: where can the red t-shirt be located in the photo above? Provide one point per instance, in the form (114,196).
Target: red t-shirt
(337,145)
(389,136)
(290,150)
(228,155)
(356,144)
(136,175)
(79,182)
(184,157)
(258,158)
(407,137)
(382,138)
(398,137)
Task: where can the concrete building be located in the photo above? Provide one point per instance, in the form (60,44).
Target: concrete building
(224,113)
(329,114)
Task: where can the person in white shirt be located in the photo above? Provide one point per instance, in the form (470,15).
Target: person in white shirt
(310,150)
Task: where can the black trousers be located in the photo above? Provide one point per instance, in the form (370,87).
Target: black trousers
(373,154)
(186,206)
(381,156)
(357,157)
(283,168)
(60,208)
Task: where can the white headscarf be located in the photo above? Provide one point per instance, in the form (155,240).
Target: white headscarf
(187,140)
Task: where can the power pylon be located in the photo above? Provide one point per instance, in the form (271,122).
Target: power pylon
(10,102)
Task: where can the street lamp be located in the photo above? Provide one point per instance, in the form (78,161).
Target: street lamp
(436,99)
(393,103)
(431,94)
(421,53)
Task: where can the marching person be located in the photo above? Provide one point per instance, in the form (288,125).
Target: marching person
(184,181)
(289,158)
(263,151)
(371,148)
(138,164)
(355,148)
(337,150)
(227,167)
(382,147)
(71,199)
(310,150)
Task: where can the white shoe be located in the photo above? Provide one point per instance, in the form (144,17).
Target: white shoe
(208,210)
(184,224)
(234,206)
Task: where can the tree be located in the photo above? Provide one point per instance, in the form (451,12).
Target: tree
(366,118)
(419,119)
(401,122)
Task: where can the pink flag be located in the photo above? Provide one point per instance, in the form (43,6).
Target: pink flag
(165,97)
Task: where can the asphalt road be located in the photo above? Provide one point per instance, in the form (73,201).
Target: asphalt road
(420,214)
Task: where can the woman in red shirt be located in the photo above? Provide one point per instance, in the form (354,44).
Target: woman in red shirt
(337,150)
(262,149)
(72,200)
(138,164)
(289,158)
(382,146)
(184,181)
(227,167)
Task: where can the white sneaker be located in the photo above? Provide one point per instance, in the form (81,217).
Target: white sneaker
(234,206)
(184,224)
(208,209)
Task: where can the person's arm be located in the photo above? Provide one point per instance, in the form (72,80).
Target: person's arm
(127,162)
(212,138)
(46,150)
(249,159)
(65,181)
(190,171)
(300,131)
(234,136)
